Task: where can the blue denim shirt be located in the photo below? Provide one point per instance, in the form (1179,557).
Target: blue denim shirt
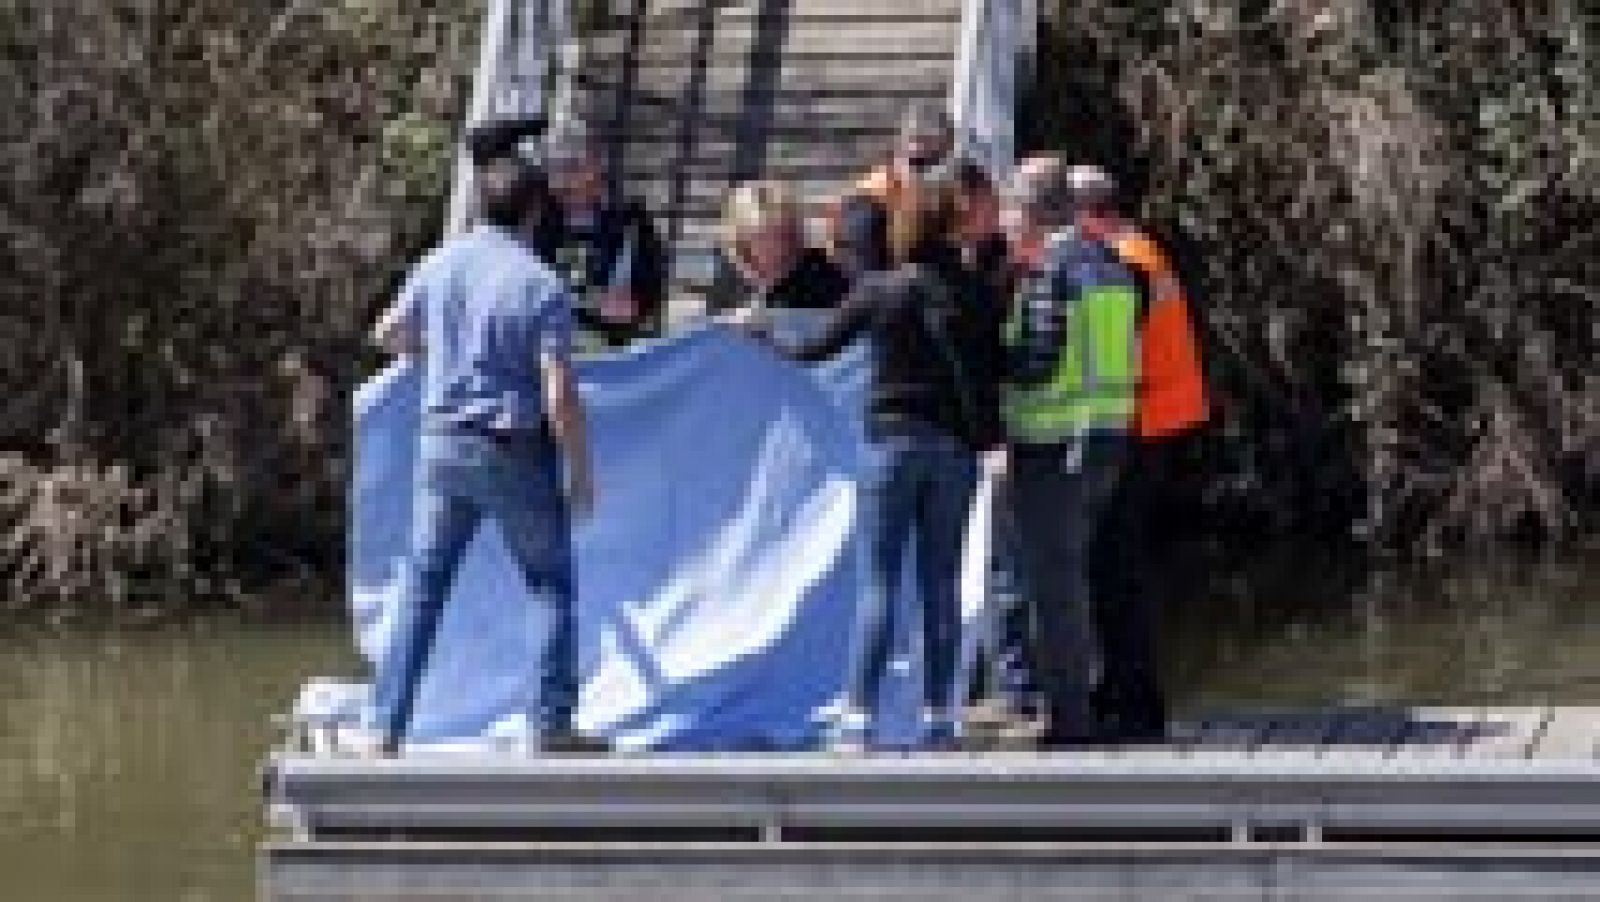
(487,309)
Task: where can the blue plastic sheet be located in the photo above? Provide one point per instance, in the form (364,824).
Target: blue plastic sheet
(717,581)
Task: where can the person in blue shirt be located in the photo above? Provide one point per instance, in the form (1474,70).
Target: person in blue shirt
(503,431)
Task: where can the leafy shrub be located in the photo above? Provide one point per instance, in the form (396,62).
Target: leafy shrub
(1387,213)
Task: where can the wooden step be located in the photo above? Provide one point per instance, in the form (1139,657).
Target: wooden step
(658,13)
(796,73)
(770,126)
(790,113)
(844,148)
(621,11)
(651,110)
(724,42)
(809,164)
(854,12)
(706,199)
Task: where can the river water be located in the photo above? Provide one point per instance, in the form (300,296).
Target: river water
(128,760)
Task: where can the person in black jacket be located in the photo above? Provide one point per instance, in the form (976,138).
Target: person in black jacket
(986,262)
(987,257)
(923,426)
(606,245)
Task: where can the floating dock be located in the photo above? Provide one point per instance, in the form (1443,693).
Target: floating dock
(1369,803)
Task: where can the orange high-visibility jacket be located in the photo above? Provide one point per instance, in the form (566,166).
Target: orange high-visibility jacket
(880,183)
(1172,388)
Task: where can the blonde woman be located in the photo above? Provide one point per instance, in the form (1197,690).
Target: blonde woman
(764,239)
(923,424)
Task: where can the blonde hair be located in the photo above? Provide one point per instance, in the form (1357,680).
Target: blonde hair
(922,213)
(755,206)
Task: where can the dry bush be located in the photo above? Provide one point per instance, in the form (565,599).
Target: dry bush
(203,204)
(1388,208)
(1387,211)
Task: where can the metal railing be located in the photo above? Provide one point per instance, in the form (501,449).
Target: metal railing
(525,66)
(998,41)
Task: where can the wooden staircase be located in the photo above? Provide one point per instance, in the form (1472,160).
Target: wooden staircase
(693,98)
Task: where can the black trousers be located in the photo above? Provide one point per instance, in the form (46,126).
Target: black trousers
(1060,497)
(1128,700)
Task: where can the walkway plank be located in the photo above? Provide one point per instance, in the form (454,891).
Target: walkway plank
(1508,732)
(1018,872)
(1301,729)
(1237,731)
(1284,786)
(1572,732)
(1434,733)
(1367,731)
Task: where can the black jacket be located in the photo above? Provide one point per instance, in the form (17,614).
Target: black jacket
(587,257)
(814,283)
(931,330)
(991,287)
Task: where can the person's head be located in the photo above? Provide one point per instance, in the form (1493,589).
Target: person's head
(977,204)
(1092,196)
(861,235)
(926,138)
(763,231)
(1036,203)
(576,164)
(922,217)
(508,163)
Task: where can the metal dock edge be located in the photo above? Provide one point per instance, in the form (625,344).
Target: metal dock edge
(1152,823)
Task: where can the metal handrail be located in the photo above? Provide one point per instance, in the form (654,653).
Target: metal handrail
(529,63)
(997,44)
(524,68)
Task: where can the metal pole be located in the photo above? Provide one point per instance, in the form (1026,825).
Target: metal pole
(566,56)
(997,37)
(485,87)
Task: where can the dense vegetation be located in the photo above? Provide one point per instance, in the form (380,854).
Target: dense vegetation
(1388,212)
(204,201)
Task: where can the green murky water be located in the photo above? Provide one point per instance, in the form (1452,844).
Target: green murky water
(128,761)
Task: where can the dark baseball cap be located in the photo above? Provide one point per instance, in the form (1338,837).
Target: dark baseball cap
(510,138)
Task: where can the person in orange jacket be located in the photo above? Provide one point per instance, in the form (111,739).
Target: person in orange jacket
(1172,396)
(1172,390)
(1171,401)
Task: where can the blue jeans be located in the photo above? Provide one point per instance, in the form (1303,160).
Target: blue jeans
(920,485)
(463,478)
(1005,638)
(1060,498)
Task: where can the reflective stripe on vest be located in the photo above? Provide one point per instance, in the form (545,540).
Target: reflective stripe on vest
(1096,379)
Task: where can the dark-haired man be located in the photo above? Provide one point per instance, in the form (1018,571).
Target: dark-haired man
(605,244)
(503,432)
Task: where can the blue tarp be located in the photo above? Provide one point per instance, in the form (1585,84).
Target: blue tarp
(717,581)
